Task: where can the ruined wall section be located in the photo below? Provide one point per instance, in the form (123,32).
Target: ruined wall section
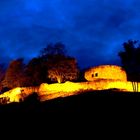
(108,72)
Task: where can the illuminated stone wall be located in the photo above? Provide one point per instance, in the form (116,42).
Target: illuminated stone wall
(18,94)
(51,91)
(110,72)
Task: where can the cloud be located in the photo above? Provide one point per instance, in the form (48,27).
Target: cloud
(92,30)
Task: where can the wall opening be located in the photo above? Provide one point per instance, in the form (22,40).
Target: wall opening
(96,74)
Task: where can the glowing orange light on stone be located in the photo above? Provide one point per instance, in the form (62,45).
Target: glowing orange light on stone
(105,77)
(111,72)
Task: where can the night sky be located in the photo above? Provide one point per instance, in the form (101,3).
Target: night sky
(92,30)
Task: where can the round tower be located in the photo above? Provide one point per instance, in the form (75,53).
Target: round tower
(107,72)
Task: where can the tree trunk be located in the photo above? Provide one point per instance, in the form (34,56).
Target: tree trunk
(134,86)
(137,86)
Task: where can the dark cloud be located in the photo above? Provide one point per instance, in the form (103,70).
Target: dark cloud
(92,30)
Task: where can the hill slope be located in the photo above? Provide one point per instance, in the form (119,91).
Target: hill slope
(89,101)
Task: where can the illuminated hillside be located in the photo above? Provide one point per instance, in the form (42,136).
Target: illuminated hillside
(105,79)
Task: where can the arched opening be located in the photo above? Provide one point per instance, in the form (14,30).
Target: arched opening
(96,74)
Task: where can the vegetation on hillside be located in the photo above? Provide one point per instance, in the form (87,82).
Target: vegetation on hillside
(53,64)
(130,58)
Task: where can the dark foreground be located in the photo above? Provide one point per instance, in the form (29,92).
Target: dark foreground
(85,102)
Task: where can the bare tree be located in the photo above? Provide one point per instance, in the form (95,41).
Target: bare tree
(60,66)
(63,70)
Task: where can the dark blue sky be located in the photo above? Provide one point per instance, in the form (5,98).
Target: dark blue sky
(92,30)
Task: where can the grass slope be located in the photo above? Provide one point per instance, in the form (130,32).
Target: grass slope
(89,101)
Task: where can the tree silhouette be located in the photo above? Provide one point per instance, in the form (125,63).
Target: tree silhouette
(130,59)
(60,66)
(2,74)
(53,50)
(36,72)
(14,74)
